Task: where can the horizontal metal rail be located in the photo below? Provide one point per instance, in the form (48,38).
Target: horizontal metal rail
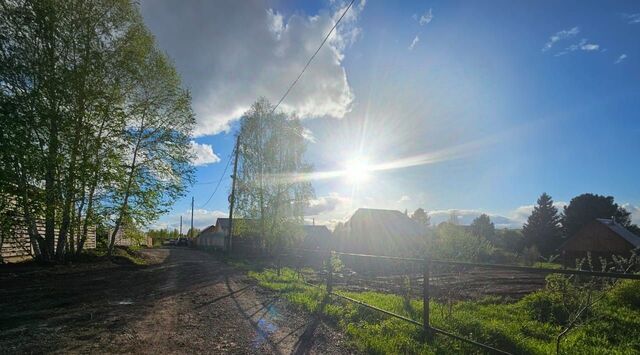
(381,257)
(615,275)
(377,309)
(484,346)
(414,322)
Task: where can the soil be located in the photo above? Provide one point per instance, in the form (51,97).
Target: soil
(183,301)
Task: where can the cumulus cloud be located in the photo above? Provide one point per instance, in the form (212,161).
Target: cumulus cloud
(325,204)
(635,212)
(404,198)
(245,50)
(465,217)
(203,154)
(521,213)
(620,58)
(560,35)
(414,42)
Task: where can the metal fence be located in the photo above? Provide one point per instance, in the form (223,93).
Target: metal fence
(426,265)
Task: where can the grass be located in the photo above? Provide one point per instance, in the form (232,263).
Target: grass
(121,255)
(514,327)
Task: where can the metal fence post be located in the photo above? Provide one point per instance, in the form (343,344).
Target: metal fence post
(425,297)
(329,273)
(279,263)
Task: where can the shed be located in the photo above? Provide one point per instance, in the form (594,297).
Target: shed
(601,237)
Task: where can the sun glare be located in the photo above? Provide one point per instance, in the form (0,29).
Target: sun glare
(357,170)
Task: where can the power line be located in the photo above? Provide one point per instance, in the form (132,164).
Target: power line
(287,92)
(219,181)
(313,56)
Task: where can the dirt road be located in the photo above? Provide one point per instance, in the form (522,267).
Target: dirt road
(185,301)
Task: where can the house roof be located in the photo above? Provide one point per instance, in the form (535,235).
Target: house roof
(208,229)
(393,220)
(224,222)
(317,231)
(620,230)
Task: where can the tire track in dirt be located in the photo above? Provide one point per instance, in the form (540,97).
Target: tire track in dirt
(188,301)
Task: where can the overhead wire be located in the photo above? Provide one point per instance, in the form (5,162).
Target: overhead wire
(288,90)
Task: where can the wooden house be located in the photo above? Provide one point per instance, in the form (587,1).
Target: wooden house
(601,238)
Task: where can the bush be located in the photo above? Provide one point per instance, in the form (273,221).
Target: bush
(455,243)
(627,293)
(545,306)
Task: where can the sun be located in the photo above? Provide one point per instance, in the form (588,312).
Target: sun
(357,170)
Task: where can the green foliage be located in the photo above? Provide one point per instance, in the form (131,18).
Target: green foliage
(482,227)
(271,156)
(529,326)
(420,216)
(542,229)
(95,126)
(455,243)
(510,240)
(627,293)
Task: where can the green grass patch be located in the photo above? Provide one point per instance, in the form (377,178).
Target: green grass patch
(529,326)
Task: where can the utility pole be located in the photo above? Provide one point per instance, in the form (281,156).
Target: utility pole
(232,198)
(191,232)
(180,226)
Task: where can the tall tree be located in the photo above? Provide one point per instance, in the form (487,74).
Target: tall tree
(156,143)
(73,75)
(420,216)
(271,188)
(586,207)
(482,227)
(543,226)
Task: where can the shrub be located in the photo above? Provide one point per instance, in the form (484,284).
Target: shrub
(627,293)
(545,306)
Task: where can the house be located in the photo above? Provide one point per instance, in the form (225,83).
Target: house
(222,225)
(210,237)
(316,237)
(377,231)
(601,238)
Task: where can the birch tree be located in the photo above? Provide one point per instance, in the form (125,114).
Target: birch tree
(271,155)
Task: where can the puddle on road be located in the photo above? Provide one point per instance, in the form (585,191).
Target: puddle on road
(122,303)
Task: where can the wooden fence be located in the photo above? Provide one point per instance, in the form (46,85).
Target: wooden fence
(17,247)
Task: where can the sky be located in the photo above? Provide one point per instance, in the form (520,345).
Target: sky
(471,106)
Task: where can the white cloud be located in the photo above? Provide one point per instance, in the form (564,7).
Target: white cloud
(560,35)
(325,204)
(246,50)
(635,212)
(465,217)
(308,135)
(404,198)
(426,18)
(203,154)
(414,42)
(520,214)
(583,45)
(620,59)
(633,18)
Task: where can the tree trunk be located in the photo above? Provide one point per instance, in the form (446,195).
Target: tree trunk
(127,192)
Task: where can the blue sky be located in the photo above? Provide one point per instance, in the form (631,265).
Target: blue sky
(493,104)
